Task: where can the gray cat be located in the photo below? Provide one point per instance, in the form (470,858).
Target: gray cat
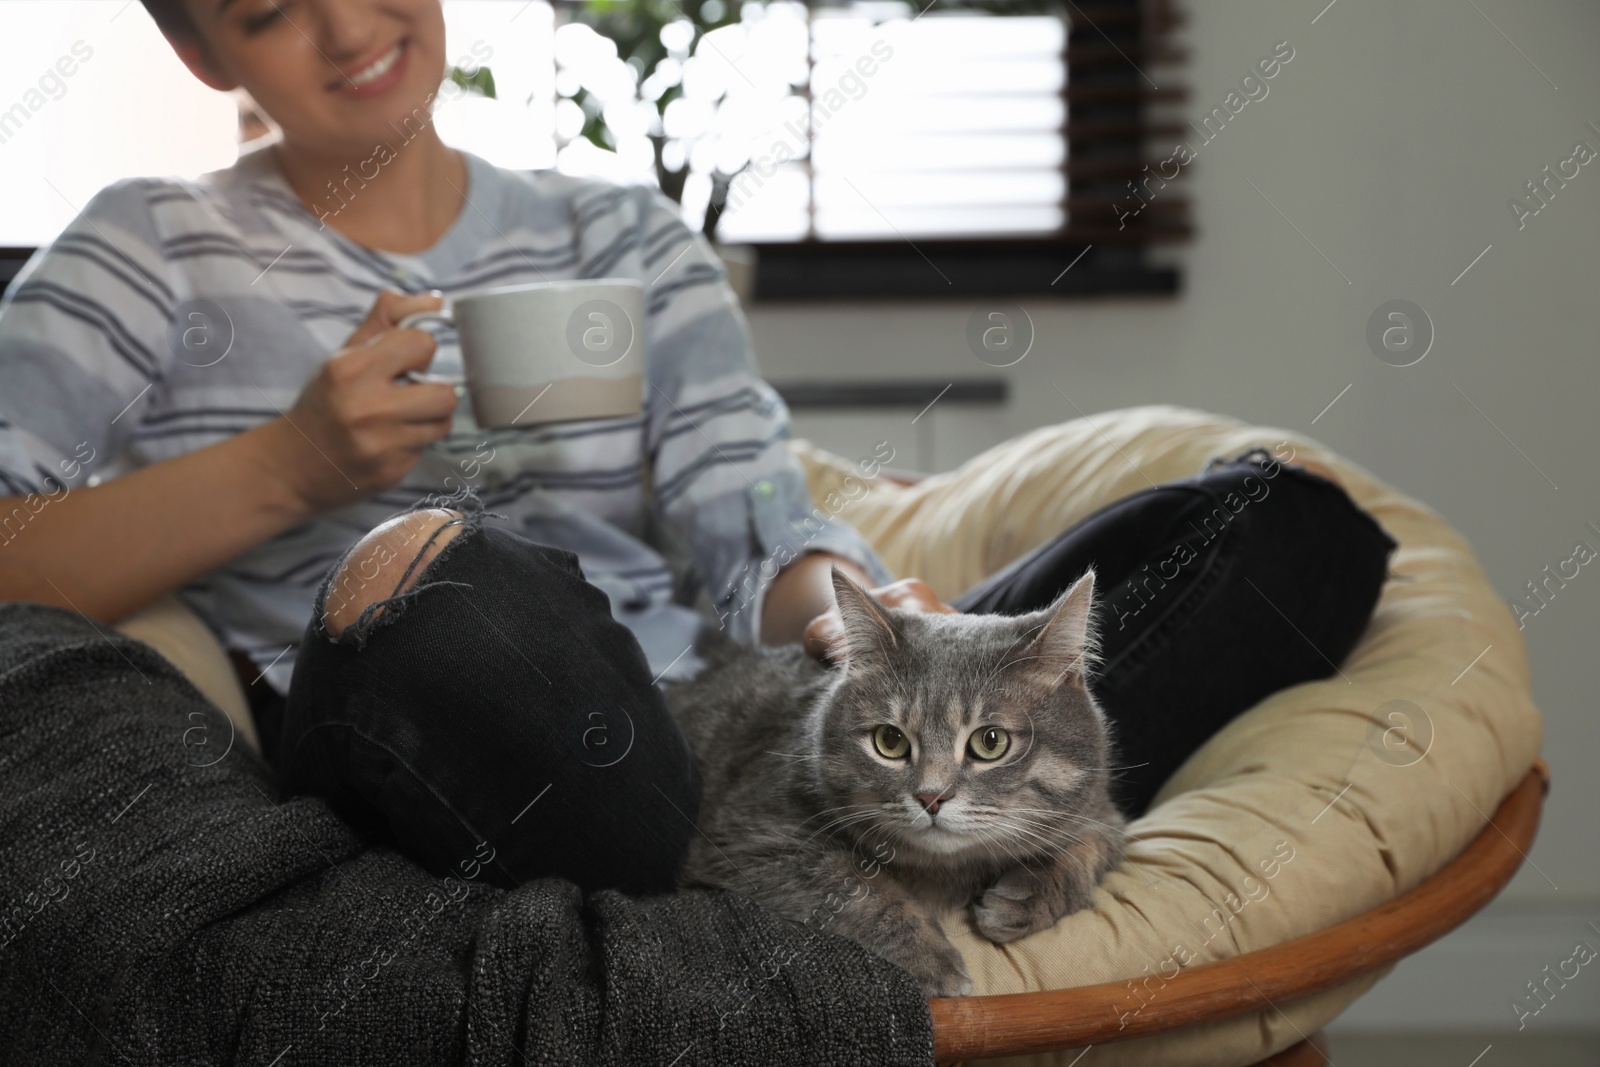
(952,760)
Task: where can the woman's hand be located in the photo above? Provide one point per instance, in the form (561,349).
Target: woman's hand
(357,427)
(823,635)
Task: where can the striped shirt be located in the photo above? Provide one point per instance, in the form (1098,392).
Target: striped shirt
(172,314)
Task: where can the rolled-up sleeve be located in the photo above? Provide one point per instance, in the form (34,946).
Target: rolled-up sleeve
(82,346)
(723,479)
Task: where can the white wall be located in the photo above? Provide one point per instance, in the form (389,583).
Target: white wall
(1393,140)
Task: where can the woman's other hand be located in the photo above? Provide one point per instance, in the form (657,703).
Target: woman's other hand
(824,633)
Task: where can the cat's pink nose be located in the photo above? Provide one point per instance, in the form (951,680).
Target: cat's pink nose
(930,801)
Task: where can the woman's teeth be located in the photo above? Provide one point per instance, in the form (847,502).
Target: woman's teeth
(377,69)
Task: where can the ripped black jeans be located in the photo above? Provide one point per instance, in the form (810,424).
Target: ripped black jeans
(498,723)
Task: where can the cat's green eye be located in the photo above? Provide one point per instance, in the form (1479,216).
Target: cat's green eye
(989,743)
(890,742)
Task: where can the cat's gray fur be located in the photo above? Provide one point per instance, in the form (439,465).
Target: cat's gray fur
(802,812)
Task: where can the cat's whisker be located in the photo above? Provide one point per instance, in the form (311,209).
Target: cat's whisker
(1018,833)
(1054,828)
(1071,815)
(841,822)
(1015,858)
(1107,830)
(888,833)
(985,838)
(1110,828)
(1038,831)
(830,835)
(1116,832)
(1023,813)
(838,807)
(1077,859)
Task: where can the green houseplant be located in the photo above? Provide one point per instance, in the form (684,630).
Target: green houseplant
(655,37)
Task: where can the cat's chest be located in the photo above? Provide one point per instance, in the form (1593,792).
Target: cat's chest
(949,888)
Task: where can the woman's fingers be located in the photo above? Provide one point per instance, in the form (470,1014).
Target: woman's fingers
(822,636)
(368,426)
(387,311)
(825,632)
(912,594)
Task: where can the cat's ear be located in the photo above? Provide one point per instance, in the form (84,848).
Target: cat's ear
(1065,648)
(870,636)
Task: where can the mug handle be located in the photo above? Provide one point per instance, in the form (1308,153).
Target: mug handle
(445,315)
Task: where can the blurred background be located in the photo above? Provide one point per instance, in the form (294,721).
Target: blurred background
(950,223)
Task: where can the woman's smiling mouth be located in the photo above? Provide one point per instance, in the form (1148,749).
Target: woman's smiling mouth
(376,77)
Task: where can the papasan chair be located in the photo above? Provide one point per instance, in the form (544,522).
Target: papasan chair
(1278,875)
(1319,837)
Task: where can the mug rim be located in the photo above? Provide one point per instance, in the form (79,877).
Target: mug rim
(549,286)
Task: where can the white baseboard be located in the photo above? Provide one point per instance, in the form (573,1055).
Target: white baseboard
(1471,979)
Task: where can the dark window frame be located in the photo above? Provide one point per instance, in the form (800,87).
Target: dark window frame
(12,259)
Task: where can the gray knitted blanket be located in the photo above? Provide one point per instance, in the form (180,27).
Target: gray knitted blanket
(160,904)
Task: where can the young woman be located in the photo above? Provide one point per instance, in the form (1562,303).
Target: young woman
(203,388)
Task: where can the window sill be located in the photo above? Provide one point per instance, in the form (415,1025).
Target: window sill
(828,270)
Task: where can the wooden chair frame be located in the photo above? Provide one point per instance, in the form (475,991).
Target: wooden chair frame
(1016,1024)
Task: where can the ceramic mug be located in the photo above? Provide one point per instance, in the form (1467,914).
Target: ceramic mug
(547,351)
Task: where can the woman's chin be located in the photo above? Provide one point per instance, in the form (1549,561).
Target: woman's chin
(382,130)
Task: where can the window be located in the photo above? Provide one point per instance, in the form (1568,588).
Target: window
(985,154)
(895,147)
(918,127)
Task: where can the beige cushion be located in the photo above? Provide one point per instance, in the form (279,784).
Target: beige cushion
(173,629)
(1306,773)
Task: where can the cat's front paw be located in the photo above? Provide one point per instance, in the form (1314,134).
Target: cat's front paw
(941,970)
(1026,900)
(931,959)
